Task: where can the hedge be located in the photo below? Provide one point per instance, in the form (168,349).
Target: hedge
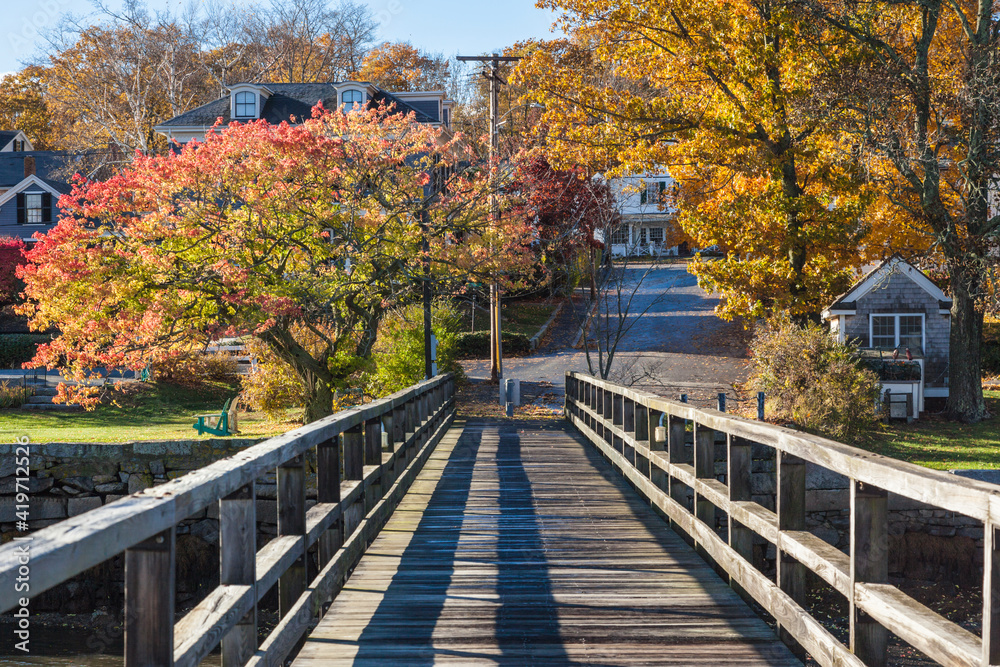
(15,349)
(991,348)
(477,345)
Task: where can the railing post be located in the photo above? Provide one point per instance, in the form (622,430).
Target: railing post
(869,564)
(237,566)
(292,521)
(373,457)
(704,468)
(677,454)
(791,506)
(618,419)
(657,442)
(354,443)
(411,428)
(328,491)
(609,415)
(991,595)
(149,602)
(739,461)
(399,437)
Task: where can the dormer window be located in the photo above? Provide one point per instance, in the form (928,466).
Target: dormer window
(351,97)
(19,145)
(246,105)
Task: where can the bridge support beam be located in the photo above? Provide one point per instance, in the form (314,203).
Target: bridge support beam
(869,564)
(292,521)
(791,505)
(149,601)
(237,566)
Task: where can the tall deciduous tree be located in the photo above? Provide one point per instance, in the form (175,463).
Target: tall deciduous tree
(23,107)
(303,236)
(922,100)
(400,67)
(721,93)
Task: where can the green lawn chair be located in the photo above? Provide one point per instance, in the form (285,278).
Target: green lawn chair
(225,420)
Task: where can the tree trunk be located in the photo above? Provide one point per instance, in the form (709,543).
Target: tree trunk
(965,383)
(593,274)
(319,401)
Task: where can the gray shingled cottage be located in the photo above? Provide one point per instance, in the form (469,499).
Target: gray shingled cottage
(902,322)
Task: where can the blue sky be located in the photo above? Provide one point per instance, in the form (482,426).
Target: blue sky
(439,26)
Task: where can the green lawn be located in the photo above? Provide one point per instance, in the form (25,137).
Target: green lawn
(155,412)
(944,445)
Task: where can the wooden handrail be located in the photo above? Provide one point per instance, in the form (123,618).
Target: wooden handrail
(653,459)
(401,431)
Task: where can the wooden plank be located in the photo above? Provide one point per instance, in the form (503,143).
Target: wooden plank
(294,624)
(704,469)
(739,463)
(940,639)
(991,595)
(149,602)
(216,618)
(823,646)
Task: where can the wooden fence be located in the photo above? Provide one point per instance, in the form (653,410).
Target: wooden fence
(623,424)
(379,447)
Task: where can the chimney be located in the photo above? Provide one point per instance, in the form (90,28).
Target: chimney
(29,165)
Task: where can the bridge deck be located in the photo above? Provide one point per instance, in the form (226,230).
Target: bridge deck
(519,545)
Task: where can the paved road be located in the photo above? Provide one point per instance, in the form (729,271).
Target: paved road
(676,345)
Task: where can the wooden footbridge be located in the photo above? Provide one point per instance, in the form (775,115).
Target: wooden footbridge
(436,540)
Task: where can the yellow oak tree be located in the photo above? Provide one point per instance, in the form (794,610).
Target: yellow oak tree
(722,93)
(399,67)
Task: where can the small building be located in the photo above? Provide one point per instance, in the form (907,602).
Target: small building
(30,186)
(901,321)
(647,224)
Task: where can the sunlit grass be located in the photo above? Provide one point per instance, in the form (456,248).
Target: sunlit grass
(149,412)
(944,445)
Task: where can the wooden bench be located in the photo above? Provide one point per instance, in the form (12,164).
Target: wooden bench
(226,423)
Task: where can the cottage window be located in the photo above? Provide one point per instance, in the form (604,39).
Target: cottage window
(897,331)
(246,105)
(350,97)
(18,145)
(655,235)
(619,235)
(653,192)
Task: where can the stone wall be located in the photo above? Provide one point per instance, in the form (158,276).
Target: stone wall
(68,479)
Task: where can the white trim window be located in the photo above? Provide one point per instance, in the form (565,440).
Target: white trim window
(246,105)
(889,331)
(33,209)
(351,97)
(620,235)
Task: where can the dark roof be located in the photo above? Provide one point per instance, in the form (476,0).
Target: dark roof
(6,136)
(844,302)
(287,100)
(406,107)
(47,163)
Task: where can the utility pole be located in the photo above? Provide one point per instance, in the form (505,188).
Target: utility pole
(491,67)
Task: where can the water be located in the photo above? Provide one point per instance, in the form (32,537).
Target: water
(70,647)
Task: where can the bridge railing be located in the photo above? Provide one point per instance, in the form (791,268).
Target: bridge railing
(379,448)
(624,425)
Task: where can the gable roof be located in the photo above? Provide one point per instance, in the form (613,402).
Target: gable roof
(845,303)
(47,163)
(52,187)
(7,136)
(286,100)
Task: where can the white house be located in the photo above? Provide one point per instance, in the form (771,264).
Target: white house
(647,218)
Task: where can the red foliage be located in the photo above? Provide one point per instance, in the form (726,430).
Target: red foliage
(11,257)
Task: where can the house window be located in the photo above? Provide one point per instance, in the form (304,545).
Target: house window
(19,145)
(447,117)
(246,105)
(655,234)
(350,97)
(33,209)
(897,331)
(653,192)
(619,235)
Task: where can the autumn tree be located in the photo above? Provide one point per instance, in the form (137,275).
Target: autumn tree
(302,236)
(921,100)
(399,67)
(720,93)
(567,209)
(23,107)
